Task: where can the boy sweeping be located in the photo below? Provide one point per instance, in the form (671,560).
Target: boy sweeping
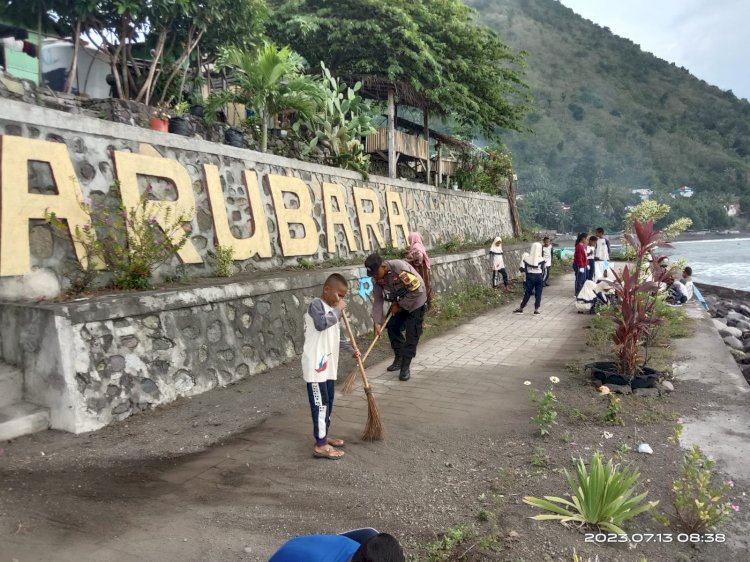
(320,359)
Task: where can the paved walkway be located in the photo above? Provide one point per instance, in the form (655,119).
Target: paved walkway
(239,501)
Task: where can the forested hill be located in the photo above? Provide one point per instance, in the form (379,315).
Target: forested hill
(609,118)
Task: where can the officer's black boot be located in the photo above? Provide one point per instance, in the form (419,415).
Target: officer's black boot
(405,374)
(396,365)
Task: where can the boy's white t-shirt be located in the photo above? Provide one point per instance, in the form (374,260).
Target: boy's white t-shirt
(320,353)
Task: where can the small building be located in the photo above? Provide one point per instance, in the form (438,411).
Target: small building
(682,191)
(732,210)
(643,194)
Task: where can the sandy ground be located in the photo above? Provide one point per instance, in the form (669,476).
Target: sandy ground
(228,476)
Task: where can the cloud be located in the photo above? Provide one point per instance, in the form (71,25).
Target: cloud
(706,37)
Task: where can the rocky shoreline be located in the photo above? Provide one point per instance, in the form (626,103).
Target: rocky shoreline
(730,310)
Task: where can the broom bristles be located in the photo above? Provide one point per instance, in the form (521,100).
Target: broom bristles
(374,426)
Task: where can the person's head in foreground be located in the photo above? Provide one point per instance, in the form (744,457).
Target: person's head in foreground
(592,240)
(380,548)
(600,232)
(687,273)
(376,267)
(498,242)
(334,289)
(545,241)
(581,238)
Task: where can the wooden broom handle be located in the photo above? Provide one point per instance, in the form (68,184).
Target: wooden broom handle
(377,337)
(354,345)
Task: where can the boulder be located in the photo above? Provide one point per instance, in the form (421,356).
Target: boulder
(746,343)
(719,324)
(728,331)
(737,354)
(665,386)
(746,372)
(742,325)
(732,341)
(744,309)
(734,316)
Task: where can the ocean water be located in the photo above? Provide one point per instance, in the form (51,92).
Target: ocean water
(717,262)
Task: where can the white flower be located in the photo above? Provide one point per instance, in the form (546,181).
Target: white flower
(527,383)
(554,380)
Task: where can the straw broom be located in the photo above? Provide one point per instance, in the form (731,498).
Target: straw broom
(351,378)
(374,427)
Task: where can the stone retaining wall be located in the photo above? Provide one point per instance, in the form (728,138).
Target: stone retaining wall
(254,197)
(102,359)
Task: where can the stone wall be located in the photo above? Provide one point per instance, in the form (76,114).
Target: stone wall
(95,152)
(101,359)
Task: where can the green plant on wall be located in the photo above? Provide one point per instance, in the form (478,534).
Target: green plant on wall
(268,81)
(339,121)
(222,259)
(129,243)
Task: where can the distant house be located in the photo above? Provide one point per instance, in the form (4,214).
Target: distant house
(644,194)
(682,191)
(732,210)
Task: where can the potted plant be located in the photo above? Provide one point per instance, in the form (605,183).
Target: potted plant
(160,119)
(179,124)
(634,319)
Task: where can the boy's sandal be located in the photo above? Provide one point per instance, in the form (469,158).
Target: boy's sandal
(336,442)
(328,453)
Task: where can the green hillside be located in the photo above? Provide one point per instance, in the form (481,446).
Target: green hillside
(609,118)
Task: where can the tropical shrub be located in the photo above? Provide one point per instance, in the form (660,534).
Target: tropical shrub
(338,123)
(268,81)
(699,504)
(637,299)
(605,496)
(129,243)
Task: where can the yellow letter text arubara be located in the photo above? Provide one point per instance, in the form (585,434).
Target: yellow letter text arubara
(285,217)
(18,206)
(244,248)
(129,166)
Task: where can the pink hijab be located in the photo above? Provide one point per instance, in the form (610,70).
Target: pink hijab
(417,252)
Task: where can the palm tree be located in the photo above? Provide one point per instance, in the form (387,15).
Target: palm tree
(269,80)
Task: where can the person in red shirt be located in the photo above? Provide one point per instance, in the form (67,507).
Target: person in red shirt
(580,261)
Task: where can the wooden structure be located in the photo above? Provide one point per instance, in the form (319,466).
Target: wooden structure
(383,89)
(411,146)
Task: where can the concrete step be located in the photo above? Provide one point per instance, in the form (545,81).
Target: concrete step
(11,385)
(22,418)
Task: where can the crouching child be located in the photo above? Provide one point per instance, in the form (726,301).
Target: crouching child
(320,359)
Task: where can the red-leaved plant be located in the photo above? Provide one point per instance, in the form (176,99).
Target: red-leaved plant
(637,298)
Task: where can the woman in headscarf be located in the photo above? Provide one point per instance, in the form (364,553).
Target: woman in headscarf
(592,295)
(419,260)
(498,264)
(532,264)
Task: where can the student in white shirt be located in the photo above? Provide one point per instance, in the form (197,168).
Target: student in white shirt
(601,255)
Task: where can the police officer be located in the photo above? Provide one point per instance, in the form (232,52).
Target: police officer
(397,282)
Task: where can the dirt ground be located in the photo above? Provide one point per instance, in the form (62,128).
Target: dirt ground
(216,479)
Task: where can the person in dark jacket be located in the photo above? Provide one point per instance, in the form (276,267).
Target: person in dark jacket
(397,282)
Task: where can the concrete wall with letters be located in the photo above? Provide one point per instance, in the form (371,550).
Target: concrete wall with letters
(271,210)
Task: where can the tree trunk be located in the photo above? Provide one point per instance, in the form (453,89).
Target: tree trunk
(392,168)
(72,73)
(39,46)
(427,138)
(146,90)
(517,231)
(263,132)
(191,44)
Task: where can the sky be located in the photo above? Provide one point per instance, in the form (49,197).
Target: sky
(708,37)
